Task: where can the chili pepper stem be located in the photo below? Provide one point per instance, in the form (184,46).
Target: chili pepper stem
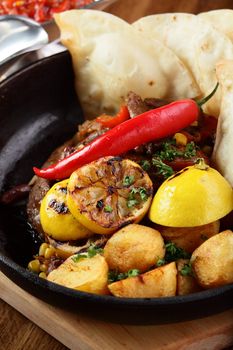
(207,98)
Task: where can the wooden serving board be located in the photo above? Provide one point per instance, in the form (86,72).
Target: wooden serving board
(79,332)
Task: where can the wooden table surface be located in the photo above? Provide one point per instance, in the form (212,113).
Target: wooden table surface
(16,331)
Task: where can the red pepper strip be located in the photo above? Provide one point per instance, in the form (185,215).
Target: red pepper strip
(109,121)
(152,125)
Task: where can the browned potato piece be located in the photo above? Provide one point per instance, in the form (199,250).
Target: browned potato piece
(189,238)
(186,284)
(160,282)
(88,274)
(134,247)
(212,262)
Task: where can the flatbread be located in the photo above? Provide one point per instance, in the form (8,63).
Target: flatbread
(222,154)
(111,58)
(196,42)
(221,19)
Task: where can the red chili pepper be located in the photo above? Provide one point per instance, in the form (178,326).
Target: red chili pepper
(152,125)
(109,121)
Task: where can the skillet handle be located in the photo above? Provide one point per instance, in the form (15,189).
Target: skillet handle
(24,60)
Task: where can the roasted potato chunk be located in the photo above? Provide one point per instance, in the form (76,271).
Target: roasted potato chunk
(212,262)
(160,282)
(134,247)
(186,283)
(189,238)
(88,274)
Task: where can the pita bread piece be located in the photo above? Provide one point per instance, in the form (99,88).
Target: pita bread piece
(110,58)
(197,43)
(221,19)
(222,155)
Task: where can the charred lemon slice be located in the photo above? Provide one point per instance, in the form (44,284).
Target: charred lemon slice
(55,217)
(195,196)
(109,193)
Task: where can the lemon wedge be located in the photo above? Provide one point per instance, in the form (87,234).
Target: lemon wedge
(55,217)
(109,193)
(197,195)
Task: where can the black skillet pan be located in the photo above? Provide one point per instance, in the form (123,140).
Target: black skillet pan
(38,111)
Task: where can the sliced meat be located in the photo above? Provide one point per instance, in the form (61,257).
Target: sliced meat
(42,186)
(15,194)
(88,128)
(135,104)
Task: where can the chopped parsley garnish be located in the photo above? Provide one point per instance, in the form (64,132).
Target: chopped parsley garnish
(79,256)
(186,270)
(135,195)
(174,253)
(169,151)
(100,205)
(190,150)
(114,276)
(143,193)
(145,164)
(160,262)
(163,169)
(91,251)
(128,180)
(108,209)
(131,202)
(133,273)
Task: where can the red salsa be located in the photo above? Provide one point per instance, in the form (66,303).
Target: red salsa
(39,10)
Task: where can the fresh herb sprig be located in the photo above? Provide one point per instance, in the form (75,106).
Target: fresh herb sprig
(91,251)
(136,195)
(162,169)
(174,253)
(190,150)
(128,180)
(169,151)
(114,275)
(187,270)
(108,208)
(145,164)
(160,262)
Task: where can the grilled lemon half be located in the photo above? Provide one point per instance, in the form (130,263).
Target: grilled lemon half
(56,219)
(195,196)
(109,193)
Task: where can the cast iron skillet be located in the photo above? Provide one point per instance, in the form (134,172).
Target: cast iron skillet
(38,111)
